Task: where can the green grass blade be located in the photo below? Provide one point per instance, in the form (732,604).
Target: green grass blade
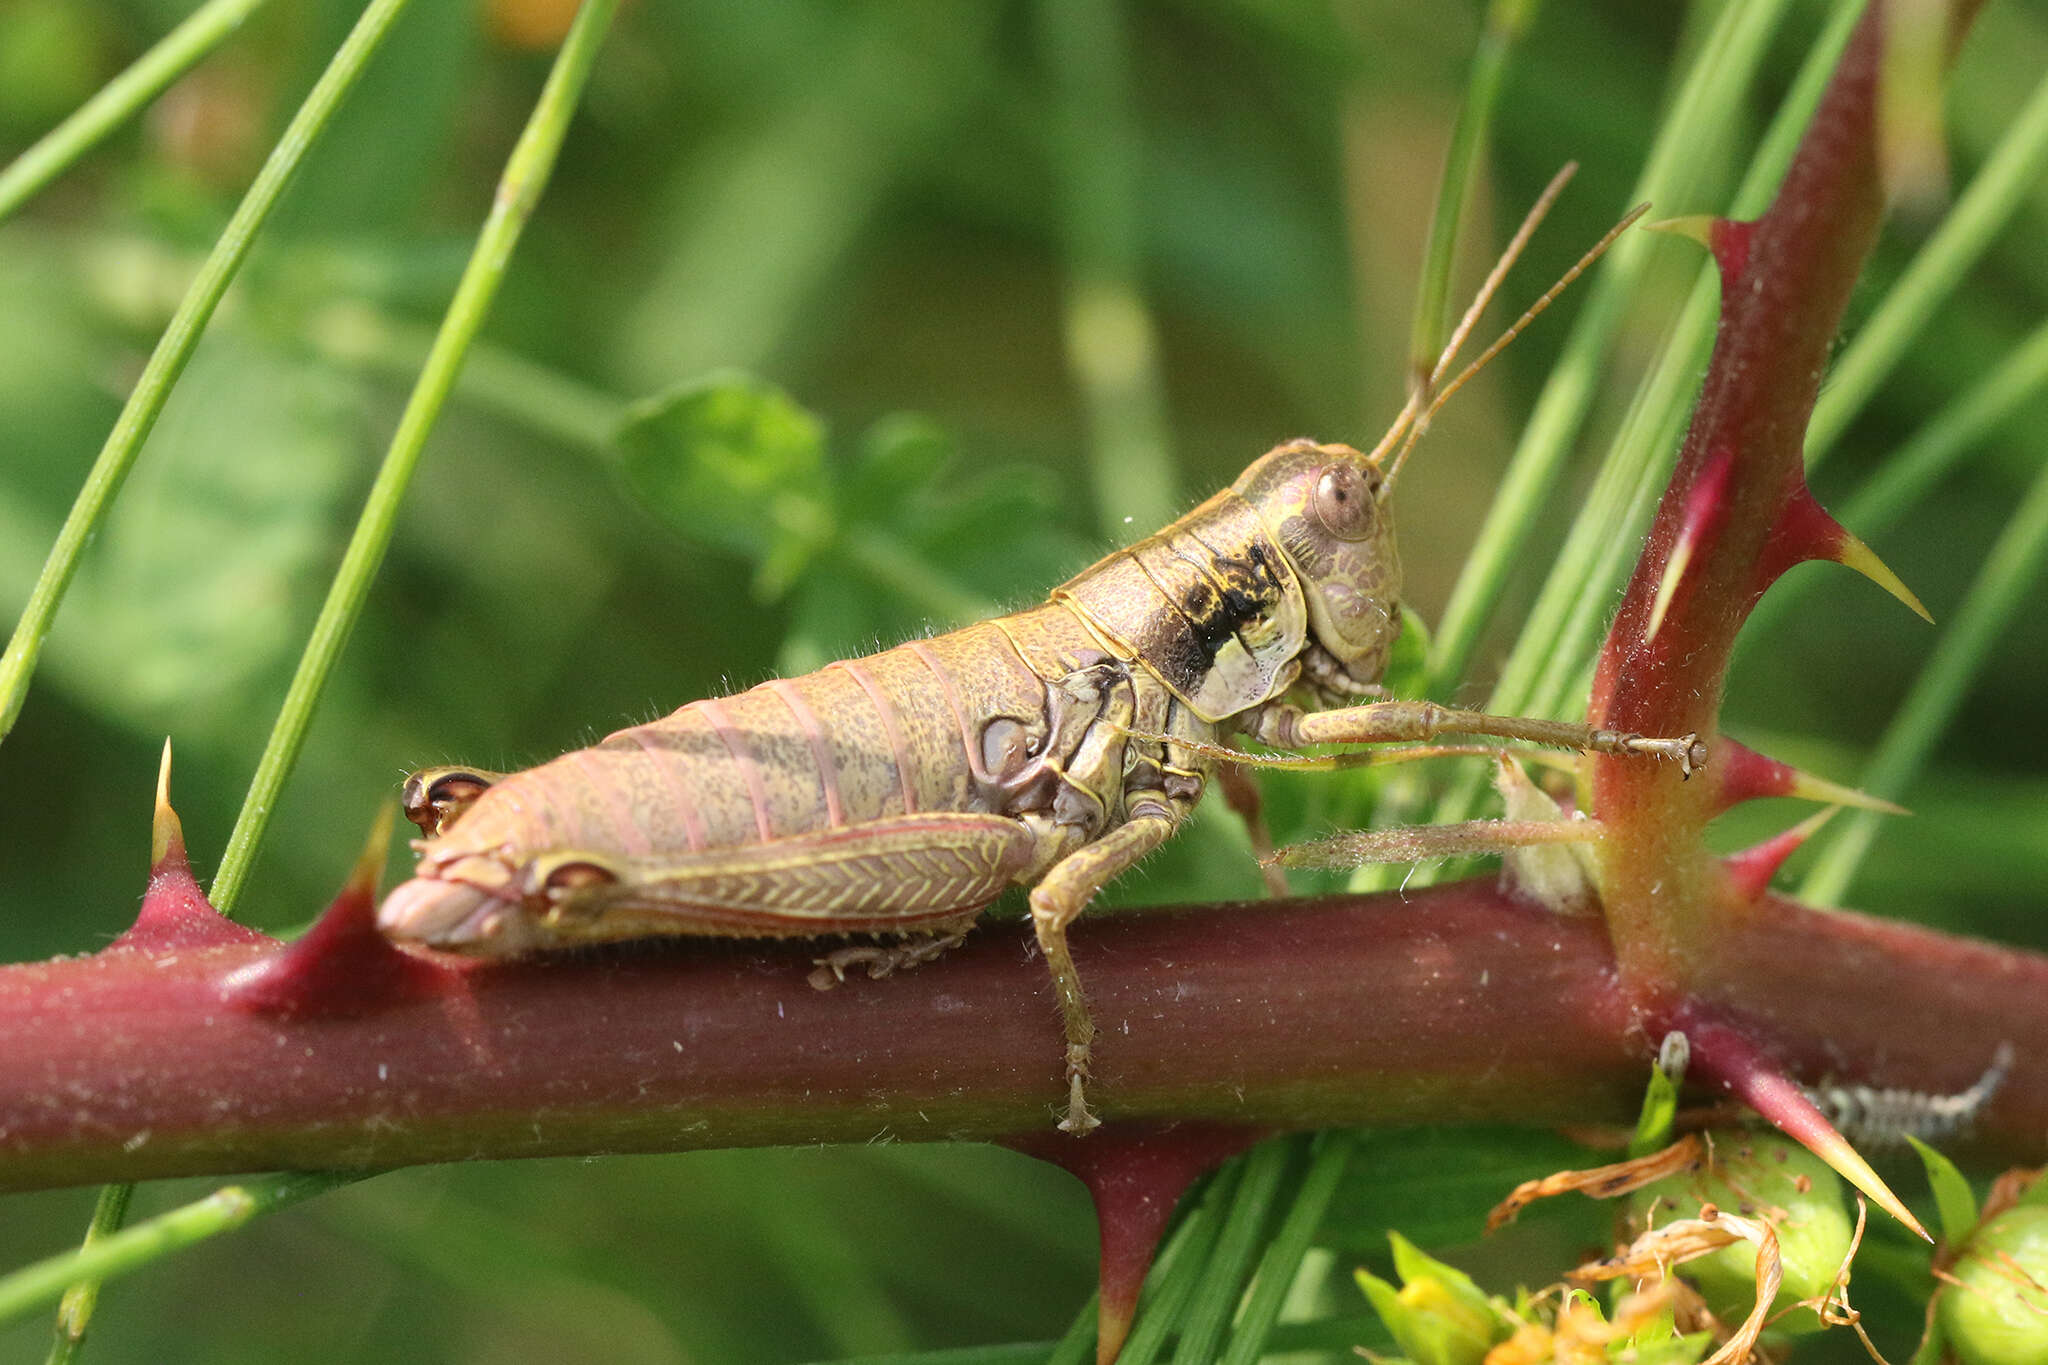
(1281,1262)
(1506,22)
(1222,1283)
(120,99)
(1710,95)
(1111,343)
(174,349)
(226,1209)
(519,189)
(2009,578)
(1077,1346)
(2009,176)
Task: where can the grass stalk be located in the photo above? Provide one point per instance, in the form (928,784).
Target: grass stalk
(174,350)
(120,99)
(227,1208)
(519,190)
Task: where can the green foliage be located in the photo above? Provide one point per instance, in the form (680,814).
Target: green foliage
(858,204)
(1438,1316)
(1952,1196)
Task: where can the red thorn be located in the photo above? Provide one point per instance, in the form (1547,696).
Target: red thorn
(175,912)
(1706,507)
(1805,530)
(1743,774)
(342,965)
(1135,1173)
(1750,871)
(1726,1057)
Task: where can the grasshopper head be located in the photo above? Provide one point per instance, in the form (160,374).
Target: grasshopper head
(1324,506)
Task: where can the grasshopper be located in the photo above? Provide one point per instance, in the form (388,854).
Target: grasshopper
(900,794)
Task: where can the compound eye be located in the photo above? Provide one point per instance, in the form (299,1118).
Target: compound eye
(1345,501)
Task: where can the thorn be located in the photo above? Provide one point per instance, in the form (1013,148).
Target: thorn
(1727,238)
(165,832)
(1726,1057)
(1706,504)
(1746,775)
(1750,871)
(1695,227)
(175,913)
(1135,1174)
(342,965)
(1854,554)
(1805,530)
(368,872)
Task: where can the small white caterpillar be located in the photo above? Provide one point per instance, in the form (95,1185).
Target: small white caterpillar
(1886,1118)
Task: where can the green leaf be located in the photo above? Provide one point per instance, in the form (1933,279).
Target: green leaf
(1952,1196)
(1660,1106)
(206,576)
(731,461)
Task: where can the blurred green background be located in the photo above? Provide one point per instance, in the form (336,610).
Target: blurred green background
(884,209)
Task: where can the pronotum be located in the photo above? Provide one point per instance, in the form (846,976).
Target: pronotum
(899,794)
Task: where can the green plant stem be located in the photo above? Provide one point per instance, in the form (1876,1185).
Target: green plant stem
(75,1309)
(1712,88)
(138,416)
(1111,344)
(1329,1156)
(2008,177)
(97,1261)
(114,103)
(174,350)
(519,189)
(2008,579)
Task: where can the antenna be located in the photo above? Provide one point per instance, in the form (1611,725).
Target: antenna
(1424,402)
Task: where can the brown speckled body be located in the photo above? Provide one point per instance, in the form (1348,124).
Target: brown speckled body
(1022,717)
(900,793)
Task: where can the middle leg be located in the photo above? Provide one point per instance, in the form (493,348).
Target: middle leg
(1055,902)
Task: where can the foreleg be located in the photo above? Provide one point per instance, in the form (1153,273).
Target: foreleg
(1055,902)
